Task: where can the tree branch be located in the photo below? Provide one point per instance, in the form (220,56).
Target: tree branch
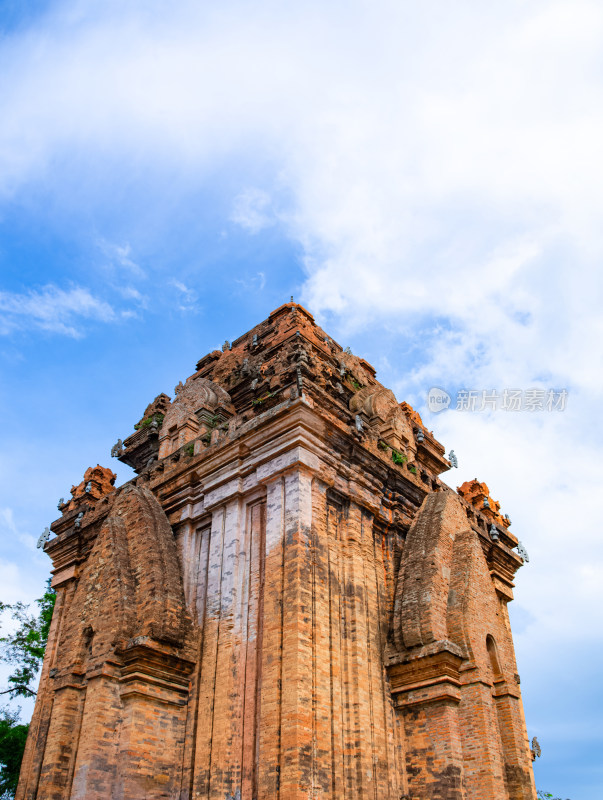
(22,689)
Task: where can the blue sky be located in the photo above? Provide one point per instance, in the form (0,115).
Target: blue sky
(425,178)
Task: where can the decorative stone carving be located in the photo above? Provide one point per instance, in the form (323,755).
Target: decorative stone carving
(117,449)
(44,537)
(478,495)
(182,421)
(535,749)
(523,552)
(397,431)
(374,401)
(157,408)
(412,414)
(98,482)
(196,393)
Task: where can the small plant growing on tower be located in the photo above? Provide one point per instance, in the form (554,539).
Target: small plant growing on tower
(398,457)
(258,401)
(146,423)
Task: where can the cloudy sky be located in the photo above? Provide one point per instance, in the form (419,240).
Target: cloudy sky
(425,177)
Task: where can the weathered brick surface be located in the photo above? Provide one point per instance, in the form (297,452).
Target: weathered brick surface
(285,603)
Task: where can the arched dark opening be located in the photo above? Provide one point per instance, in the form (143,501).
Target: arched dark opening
(493,654)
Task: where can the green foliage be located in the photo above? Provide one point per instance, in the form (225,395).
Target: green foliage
(13,735)
(260,400)
(25,647)
(189,449)
(546,796)
(398,457)
(145,423)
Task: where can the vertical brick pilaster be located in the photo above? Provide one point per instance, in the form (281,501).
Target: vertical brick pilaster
(519,776)
(207,681)
(226,745)
(97,757)
(434,757)
(297,766)
(481,743)
(61,744)
(333,533)
(253,642)
(270,687)
(359,745)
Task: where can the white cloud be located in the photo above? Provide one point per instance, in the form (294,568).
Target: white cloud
(51,309)
(252,283)
(188,298)
(18,585)
(119,256)
(14,589)
(8,526)
(131,293)
(411,125)
(251,210)
(7,520)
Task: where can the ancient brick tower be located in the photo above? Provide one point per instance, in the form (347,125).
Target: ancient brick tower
(286,602)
